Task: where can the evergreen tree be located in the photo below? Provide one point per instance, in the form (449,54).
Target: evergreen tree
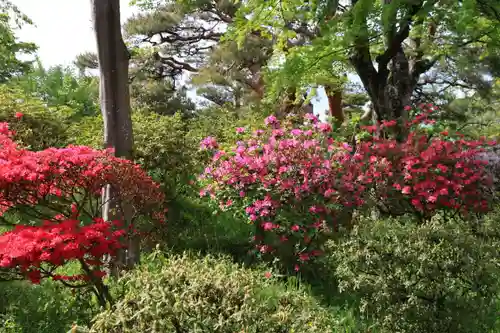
(10,47)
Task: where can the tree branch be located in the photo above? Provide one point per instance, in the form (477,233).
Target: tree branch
(396,41)
(177,64)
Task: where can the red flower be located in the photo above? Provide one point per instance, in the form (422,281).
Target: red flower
(286,173)
(67,180)
(18,115)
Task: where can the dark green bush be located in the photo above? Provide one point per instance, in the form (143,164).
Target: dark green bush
(440,277)
(185,294)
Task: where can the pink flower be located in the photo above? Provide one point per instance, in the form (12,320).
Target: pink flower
(443,191)
(240,129)
(271,120)
(304,257)
(19,115)
(268,226)
(390,123)
(290,171)
(312,118)
(324,127)
(208,143)
(268,275)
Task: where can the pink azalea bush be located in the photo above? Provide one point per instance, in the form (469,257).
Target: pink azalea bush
(297,186)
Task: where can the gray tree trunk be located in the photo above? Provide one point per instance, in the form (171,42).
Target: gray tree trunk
(114,94)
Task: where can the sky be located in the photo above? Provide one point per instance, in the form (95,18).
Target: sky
(63,29)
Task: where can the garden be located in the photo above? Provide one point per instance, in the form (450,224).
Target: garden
(249,212)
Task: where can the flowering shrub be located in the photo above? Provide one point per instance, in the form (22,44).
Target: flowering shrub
(37,125)
(63,188)
(60,182)
(298,185)
(38,251)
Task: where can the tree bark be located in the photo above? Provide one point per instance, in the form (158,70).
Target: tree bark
(334,96)
(391,85)
(113,58)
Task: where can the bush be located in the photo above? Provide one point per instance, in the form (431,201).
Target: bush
(37,127)
(46,308)
(197,228)
(438,277)
(298,184)
(184,294)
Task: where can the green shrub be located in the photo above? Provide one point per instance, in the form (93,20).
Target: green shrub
(36,126)
(439,277)
(185,294)
(46,308)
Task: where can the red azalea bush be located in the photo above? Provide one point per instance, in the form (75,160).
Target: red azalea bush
(38,251)
(61,181)
(297,185)
(63,187)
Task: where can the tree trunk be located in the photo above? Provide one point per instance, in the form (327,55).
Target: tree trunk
(391,85)
(390,89)
(334,96)
(115,105)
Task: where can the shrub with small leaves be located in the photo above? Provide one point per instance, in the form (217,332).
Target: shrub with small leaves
(185,294)
(437,277)
(36,125)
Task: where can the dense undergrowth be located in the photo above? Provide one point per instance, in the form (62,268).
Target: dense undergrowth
(432,272)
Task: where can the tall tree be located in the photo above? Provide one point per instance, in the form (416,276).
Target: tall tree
(10,47)
(113,61)
(185,38)
(389,44)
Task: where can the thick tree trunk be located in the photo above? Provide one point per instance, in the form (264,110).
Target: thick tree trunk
(389,88)
(391,85)
(115,104)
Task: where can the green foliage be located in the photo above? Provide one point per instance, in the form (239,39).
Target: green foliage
(46,308)
(221,123)
(193,226)
(163,148)
(159,97)
(37,126)
(438,277)
(60,86)
(10,47)
(315,41)
(185,294)
(87,131)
